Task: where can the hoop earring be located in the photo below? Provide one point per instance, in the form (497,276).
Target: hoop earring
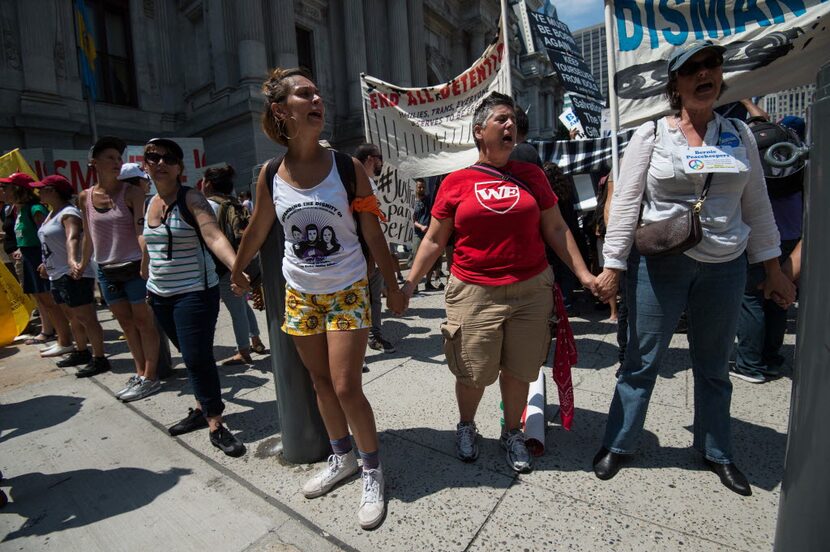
(282,129)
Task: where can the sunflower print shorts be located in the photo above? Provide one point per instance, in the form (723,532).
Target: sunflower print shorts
(312,314)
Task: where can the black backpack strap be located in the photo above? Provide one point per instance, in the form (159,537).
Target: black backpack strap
(348,176)
(187,216)
(271,168)
(345,168)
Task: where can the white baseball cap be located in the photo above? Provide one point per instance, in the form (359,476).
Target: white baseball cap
(132,170)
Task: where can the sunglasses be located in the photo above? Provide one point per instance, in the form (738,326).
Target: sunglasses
(378,157)
(156,158)
(692,67)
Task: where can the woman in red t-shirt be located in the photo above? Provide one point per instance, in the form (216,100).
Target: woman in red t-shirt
(499,294)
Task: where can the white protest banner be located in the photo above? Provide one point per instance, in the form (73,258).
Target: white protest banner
(397,201)
(771,45)
(428,131)
(194,158)
(72,164)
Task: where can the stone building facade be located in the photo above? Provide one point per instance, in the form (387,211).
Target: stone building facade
(194,67)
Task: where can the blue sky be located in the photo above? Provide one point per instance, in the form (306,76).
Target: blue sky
(578,14)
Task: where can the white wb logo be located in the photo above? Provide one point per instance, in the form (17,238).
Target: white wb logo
(499,199)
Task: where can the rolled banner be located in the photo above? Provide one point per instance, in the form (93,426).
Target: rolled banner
(534,416)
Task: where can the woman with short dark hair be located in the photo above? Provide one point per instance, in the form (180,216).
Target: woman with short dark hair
(182,285)
(707,280)
(499,295)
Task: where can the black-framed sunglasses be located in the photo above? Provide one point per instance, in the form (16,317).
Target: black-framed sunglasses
(378,157)
(154,158)
(692,67)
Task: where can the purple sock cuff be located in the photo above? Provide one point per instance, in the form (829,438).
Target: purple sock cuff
(371,460)
(341,446)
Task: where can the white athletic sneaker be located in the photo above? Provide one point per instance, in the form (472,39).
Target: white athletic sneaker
(57,350)
(337,469)
(372,505)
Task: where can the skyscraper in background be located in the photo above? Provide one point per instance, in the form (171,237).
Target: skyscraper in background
(591,41)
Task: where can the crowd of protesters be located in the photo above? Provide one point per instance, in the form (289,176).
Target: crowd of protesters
(507,225)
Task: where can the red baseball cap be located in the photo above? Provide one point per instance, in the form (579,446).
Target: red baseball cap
(56,181)
(18,179)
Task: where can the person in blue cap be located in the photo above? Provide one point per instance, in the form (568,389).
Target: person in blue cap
(662,173)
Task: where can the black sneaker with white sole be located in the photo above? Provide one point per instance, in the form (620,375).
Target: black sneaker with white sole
(227,442)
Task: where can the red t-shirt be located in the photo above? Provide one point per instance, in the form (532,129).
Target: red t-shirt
(498,236)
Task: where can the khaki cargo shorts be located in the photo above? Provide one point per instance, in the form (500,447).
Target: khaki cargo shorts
(494,328)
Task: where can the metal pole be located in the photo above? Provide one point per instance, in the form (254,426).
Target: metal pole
(304,438)
(805,491)
(610,47)
(505,28)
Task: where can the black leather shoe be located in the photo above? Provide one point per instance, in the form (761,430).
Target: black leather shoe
(731,477)
(607,463)
(195,420)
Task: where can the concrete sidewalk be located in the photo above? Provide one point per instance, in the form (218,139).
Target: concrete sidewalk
(89,473)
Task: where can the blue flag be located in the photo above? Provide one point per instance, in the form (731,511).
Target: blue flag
(86,41)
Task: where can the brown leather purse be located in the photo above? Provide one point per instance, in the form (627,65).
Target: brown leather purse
(673,235)
(677,234)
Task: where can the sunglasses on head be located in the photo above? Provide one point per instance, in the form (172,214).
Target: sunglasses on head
(155,158)
(692,67)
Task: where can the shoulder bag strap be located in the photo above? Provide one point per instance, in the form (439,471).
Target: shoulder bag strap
(504,176)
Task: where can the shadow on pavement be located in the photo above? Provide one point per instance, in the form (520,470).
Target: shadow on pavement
(35,414)
(60,501)
(9,350)
(758,450)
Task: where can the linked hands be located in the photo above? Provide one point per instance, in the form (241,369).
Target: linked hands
(607,284)
(397,301)
(779,288)
(240,283)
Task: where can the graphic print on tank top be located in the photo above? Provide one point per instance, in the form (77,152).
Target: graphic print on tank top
(311,229)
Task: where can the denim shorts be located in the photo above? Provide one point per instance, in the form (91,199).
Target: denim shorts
(311,314)
(73,293)
(134,291)
(32,282)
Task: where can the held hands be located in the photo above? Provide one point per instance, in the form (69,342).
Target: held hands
(779,288)
(240,283)
(607,284)
(589,282)
(75,270)
(396,301)
(41,270)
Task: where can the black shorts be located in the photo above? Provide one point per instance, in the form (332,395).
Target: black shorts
(73,293)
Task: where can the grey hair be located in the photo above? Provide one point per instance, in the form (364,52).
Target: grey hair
(485,109)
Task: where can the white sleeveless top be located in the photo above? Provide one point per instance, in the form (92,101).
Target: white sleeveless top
(322,250)
(52,236)
(184,268)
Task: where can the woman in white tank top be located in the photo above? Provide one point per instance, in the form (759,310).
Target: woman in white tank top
(326,307)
